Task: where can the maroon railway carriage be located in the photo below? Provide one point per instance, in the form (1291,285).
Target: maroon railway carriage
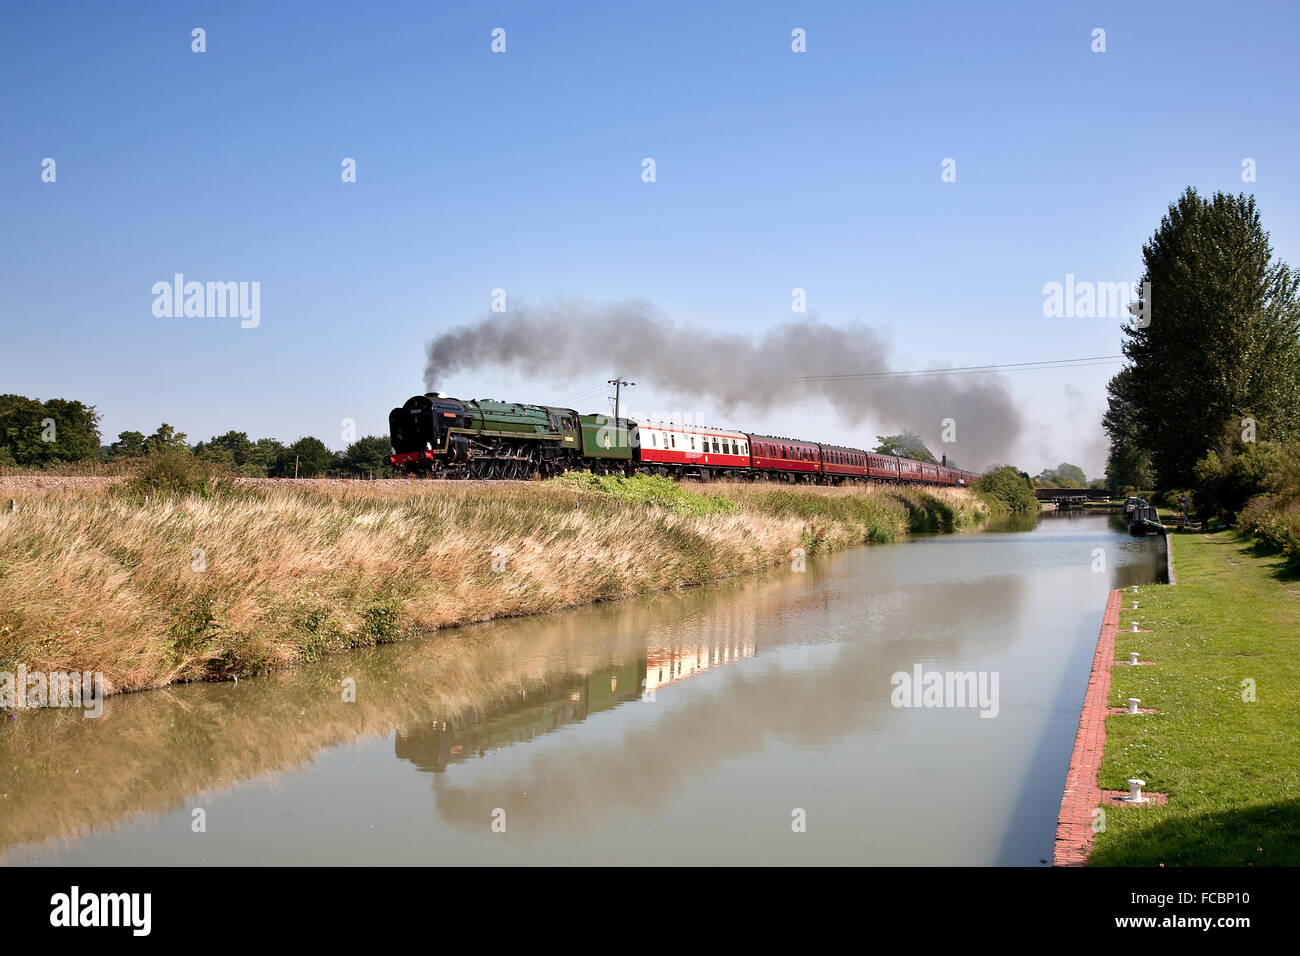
(843,464)
(909,470)
(785,458)
(882,467)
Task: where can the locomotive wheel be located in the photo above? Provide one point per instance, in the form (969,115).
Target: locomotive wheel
(528,464)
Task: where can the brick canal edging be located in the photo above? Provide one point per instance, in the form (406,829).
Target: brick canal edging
(1082,794)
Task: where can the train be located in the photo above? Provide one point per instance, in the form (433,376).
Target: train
(437,436)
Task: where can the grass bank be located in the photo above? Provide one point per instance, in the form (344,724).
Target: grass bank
(153,586)
(1225,743)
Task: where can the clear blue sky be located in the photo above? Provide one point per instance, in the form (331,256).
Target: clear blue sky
(522,171)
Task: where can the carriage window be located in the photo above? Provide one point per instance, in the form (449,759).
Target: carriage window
(653,440)
(673,439)
(692,443)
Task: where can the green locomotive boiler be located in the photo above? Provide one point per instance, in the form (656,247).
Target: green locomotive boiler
(452,438)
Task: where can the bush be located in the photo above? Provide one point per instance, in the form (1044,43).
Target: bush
(1274,527)
(650,490)
(381,622)
(1225,484)
(1008,489)
(1173,499)
(173,471)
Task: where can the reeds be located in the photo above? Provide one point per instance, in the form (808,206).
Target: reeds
(151,588)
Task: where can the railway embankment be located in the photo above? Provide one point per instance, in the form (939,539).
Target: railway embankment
(1217,734)
(151,585)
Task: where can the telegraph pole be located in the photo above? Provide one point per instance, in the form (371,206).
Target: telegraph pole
(618,384)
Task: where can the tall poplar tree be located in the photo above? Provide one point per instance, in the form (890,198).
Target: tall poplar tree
(1222,343)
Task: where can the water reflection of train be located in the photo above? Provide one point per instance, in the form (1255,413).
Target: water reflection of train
(665,666)
(547,705)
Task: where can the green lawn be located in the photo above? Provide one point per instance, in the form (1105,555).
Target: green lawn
(1231,767)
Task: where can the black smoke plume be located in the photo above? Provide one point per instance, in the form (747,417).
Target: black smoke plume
(792,363)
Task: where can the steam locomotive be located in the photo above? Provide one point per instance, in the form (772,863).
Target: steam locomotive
(444,437)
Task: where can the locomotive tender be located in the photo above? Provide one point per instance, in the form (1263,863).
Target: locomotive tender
(446,437)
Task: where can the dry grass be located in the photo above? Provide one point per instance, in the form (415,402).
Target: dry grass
(104,578)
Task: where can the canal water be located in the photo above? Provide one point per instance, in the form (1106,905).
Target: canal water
(752,723)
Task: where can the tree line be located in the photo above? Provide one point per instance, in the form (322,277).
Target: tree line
(1208,406)
(39,433)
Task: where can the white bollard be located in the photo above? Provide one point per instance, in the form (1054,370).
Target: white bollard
(1133,704)
(1135,605)
(1135,589)
(1135,627)
(1135,791)
(1132,657)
